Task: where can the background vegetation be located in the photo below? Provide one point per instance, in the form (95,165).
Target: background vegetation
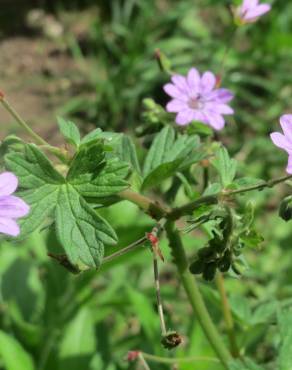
(105,57)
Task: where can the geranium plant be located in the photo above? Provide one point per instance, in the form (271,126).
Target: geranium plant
(63,189)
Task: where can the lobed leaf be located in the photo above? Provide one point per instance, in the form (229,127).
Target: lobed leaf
(80,230)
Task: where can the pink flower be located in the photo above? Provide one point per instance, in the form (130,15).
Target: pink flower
(196,98)
(285,141)
(11,207)
(250,11)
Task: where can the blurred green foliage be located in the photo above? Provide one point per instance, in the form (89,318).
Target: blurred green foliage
(50,319)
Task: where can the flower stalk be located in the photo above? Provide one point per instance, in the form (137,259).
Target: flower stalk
(38,139)
(192,290)
(219,280)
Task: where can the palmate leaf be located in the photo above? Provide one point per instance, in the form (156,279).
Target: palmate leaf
(81,231)
(168,155)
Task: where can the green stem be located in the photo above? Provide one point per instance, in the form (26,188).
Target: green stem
(143,362)
(158,295)
(194,295)
(125,250)
(164,360)
(151,207)
(188,208)
(227,314)
(267,184)
(38,139)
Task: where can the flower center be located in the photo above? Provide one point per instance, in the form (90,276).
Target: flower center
(195,103)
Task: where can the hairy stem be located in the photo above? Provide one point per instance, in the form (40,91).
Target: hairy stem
(263,185)
(188,208)
(38,139)
(194,295)
(143,361)
(125,250)
(158,295)
(153,208)
(227,314)
(164,360)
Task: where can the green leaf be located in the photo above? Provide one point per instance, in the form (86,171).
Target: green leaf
(198,128)
(33,168)
(12,354)
(252,238)
(108,181)
(70,131)
(80,229)
(78,343)
(38,176)
(127,152)
(225,166)
(161,173)
(89,157)
(161,145)
(285,326)
(93,135)
(42,202)
(168,155)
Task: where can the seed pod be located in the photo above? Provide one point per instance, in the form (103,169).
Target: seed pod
(217,244)
(197,266)
(225,262)
(209,271)
(207,254)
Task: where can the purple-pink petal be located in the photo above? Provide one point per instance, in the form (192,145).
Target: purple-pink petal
(208,82)
(8,183)
(249,3)
(193,79)
(289,165)
(215,120)
(13,207)
(253,14)
(281,141)
(180,82)
(184,117)
(221,95)
(174,92)
(219,108)
(176,105)
(9,227)
(286,124)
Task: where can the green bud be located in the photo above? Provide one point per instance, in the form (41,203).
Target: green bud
(171,340)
